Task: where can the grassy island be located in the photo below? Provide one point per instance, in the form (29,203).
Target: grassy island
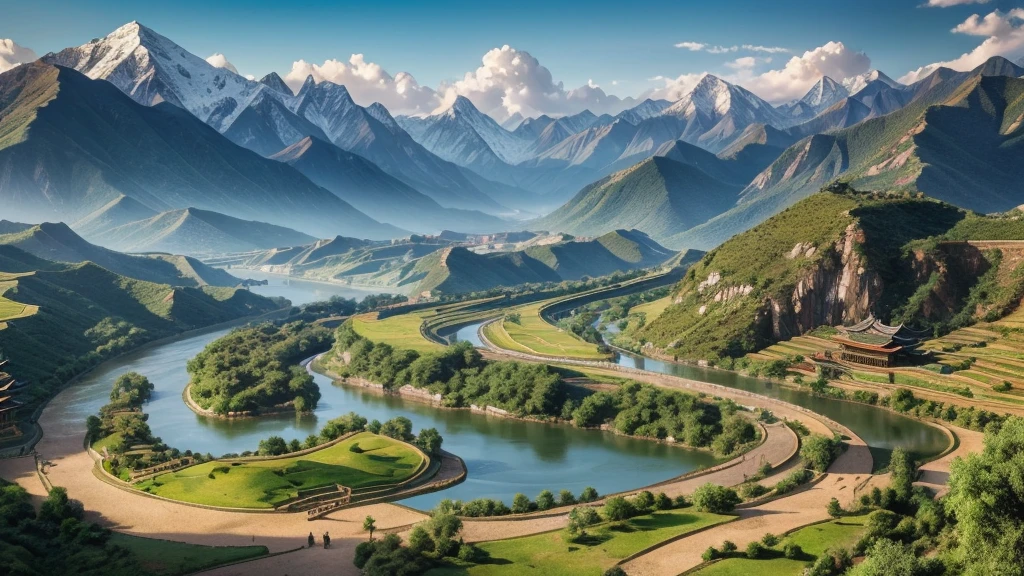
(254,369)
(360,461)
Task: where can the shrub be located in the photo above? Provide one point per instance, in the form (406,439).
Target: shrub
(728,546)
(710,554)
(618,508)
(752,490)
(520,503)
(820,451)
(565,498)
(471,553)
(589,494)
(716,499)
(545,500)
(755,550)
(769,539)
(834,509)
(615,571)
(792,551)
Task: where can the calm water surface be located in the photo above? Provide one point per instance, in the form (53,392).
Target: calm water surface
(503,456)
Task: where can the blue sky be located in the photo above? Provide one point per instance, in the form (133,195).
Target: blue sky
(625,42)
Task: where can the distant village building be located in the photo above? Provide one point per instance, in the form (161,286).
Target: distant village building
(873,343)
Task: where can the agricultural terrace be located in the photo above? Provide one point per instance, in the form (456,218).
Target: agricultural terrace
(9,309)
(361,461)
(401,331)
(813,540)
(552,554)
(523,330)
(983,362)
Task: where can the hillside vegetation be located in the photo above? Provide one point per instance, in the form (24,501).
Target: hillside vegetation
(58,243)
(833,259)
(87,314)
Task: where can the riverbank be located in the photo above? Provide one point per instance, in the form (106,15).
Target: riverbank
(186,397)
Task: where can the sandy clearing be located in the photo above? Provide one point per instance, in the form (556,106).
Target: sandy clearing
(934,474)
(777,516)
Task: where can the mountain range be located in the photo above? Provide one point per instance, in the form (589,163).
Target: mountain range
(142,146)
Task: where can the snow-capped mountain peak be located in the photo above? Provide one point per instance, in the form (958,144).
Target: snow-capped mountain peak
(461,117)
(275,82)
(712,98)
(857,83)
(824,93)
(152,69)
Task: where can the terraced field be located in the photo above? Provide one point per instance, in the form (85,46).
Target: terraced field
(9,309)
(533,335)
(402,331)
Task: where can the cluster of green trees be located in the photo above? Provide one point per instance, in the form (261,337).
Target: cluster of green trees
(400,428)
(254,368)
(463,378)
(819,452)
(581,323)
(644,410)
(429,544)
(55,541)
(459,373)
(521,503)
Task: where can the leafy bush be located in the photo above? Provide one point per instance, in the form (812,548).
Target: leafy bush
(716,499)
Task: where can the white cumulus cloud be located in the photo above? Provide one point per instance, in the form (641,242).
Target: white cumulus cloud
(948,3)
(218,60)
(674,88)
(800,73)
(1004,36)
(368,82)
(511,81)
(691,46)
(12,54)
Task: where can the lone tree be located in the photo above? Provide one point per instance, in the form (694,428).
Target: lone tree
(369,525)
(834,509)
(581,518)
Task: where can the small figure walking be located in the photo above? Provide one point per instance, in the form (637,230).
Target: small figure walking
(327,540)
(311,540)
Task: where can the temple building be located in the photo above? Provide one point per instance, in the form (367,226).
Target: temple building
(8,405)
(873,343)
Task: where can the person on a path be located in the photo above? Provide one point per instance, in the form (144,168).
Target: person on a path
(327,540)
(311,540)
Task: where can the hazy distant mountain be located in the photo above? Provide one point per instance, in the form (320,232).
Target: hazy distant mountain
(76,146)
(58,243)
(362,184)
(959,141)
(820,97)
(660,196)
(512,122)
(456,132)
(458,270)
(197,232)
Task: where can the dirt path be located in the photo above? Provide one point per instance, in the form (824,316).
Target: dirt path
(136,514)
(779,447)
(777,516)
(934,474)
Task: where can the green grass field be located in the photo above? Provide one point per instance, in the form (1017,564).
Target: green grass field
(11,310)
(814,540)
(652,309)
(533,335)
(402,331)
(550,555)
(265,484)
(167,558)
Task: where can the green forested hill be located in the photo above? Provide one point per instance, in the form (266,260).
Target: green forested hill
(834,258)
(58,243)
(87,313)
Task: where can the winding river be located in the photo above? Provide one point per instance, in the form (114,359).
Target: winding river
(503,456)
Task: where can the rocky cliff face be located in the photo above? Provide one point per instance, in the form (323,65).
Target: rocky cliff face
(837,289)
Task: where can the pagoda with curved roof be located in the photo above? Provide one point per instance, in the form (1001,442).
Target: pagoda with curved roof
(873,343)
